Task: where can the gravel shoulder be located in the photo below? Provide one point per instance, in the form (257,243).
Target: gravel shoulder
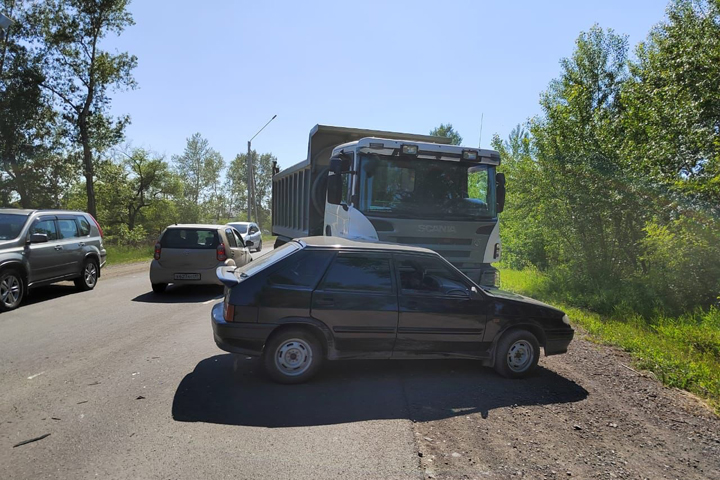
(625,425)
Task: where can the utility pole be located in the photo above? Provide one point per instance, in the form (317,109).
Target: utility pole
(251,174)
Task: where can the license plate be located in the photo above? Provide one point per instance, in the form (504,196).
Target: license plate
(187,276)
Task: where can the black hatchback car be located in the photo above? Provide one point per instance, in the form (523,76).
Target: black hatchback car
(321,298)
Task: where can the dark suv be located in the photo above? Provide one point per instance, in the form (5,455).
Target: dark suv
(38,247)
(330,298)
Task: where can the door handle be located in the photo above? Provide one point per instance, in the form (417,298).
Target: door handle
(82,244)
(329,301)
(58,247)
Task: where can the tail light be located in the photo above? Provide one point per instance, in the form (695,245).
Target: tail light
(228,311)
(158,250)
(221,255)
(97,225)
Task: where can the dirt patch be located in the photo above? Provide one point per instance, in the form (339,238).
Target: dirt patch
(111,271)
(627,426)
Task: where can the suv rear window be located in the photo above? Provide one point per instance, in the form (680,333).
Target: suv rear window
(11,224)
(191,238)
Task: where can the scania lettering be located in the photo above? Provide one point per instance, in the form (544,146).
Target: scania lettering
(395,187)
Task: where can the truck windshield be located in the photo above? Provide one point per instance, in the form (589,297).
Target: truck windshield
(409,187)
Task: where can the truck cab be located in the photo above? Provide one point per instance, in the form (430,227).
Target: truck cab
(398,188)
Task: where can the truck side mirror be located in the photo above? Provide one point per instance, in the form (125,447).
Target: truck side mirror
(500,183)
(334,181)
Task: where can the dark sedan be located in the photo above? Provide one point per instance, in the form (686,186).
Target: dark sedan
(328,298)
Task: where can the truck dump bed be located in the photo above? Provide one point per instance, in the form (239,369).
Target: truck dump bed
(298,192)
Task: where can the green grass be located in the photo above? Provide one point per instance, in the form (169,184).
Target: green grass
(683,351)
(117,254)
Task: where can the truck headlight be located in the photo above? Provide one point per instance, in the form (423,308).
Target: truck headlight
(566,320)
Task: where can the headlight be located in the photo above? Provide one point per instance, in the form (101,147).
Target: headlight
(566,320)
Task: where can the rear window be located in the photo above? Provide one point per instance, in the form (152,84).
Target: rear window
(190,238)
(239,227)
(11,225)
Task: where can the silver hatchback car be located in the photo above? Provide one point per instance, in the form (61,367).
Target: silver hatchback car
(190,254)
(250,232)
(39,247)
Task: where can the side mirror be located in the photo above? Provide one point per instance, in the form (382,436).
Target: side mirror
(38,238)
(500,183)
(249,243)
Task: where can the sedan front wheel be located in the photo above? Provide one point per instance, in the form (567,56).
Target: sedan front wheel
(517,354)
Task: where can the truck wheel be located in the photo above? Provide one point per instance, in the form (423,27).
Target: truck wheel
(517,354)
(12,290)
(292,356)
(88,276)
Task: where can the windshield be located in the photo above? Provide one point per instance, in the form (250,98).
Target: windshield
(261,263)
(409,187)
(11,224)
(240,227)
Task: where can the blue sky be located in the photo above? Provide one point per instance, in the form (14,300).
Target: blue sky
(223,68)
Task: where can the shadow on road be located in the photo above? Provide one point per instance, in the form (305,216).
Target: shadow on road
(49,292)
(182,294)
(232,390)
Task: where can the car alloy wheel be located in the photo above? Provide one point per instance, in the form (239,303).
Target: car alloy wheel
(11,290)
(293,357)
(90,274)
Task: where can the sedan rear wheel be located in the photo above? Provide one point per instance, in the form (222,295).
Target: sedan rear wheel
(292,356)
(11,290)
(517,354)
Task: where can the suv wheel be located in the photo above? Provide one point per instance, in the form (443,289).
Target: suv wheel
(517,354)
(12,290)
(88,277)
(159,287)
(293,356)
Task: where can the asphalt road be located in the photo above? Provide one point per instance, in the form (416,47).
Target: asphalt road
(129,384)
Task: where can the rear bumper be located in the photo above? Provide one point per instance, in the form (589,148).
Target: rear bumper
(557,342)
(160,274)
(239,337)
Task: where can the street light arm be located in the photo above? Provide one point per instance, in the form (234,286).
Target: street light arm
(263,128)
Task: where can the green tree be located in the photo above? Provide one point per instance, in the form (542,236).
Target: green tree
(236,186)
(81,75)
(200,167)
(447,130)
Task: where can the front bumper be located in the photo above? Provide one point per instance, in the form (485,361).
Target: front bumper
(239,337)
(557,341)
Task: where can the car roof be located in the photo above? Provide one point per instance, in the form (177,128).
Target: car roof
(28,211)
(241,223)
(198,225)
(338,242)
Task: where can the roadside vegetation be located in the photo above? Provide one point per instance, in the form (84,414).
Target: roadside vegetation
(682,351)
(613,206)
(119,254)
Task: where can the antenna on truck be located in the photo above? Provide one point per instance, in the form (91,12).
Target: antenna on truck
(481,122)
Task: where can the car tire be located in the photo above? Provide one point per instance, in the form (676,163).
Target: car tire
(517,354)
(159,287)
(259,247)
(12,290)
(292,356)
(88,276)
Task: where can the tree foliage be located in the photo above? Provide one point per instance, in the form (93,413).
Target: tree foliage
(447,130)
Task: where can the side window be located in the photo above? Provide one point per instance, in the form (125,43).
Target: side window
(359,272)
(45,226)
(427,275)
(84,226)
(230,237)
(238,239)
(68,228)
(301,270)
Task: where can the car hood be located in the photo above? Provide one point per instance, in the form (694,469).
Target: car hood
(504,296)
(6,244)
